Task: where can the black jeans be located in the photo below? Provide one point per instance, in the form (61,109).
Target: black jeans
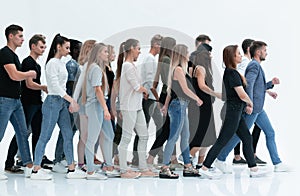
(33,117)
(255,137)
(233,123)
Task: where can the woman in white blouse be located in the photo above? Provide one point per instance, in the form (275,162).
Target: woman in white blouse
(55,110)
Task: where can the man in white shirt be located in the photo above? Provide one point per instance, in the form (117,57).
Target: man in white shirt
(148,70)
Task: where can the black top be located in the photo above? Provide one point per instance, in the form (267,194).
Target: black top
(206,98)
(110,79)
(231,79)
(8,87)
(176,90)
(30,96)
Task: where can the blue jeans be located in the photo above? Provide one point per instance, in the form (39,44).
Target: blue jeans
(96,123)
(55,110)
(179,125)
(12,110)
(262,120)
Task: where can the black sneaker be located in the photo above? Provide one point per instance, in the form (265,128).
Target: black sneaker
(46,161)
(259,162)
(19,163)
(241,161)
(198,166)
(14,170)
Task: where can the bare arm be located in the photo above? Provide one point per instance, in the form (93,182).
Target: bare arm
(113,98)
(243,95)
(100,98)
(16,75)
(200,74)
(179,75)
(35,86)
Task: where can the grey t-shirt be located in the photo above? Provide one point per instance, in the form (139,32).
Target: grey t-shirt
(94,78)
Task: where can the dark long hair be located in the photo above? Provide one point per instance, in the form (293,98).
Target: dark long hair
(57,40)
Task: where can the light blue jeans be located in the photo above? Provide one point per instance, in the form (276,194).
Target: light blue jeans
(262,120)
(96,123)
(12,110)
(179,125)
(55,110)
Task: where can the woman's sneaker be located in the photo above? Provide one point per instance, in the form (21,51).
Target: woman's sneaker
(259,173)
(59,167)
(223,167)
(40,175)
(281,167)
(2,176)
(96,176)
(76,174)
(209,174)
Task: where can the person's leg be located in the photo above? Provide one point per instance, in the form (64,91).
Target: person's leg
(82,138)
(117,138)
(107,147)
(36,125)
(264,123)
(142,132)
(249,119)
(227,132)
(18,121)
(129,120)
(185,136)
(237,151)
(244,134)
(176,125)
(64,123)
(255,136)
(95,119)
(59,149)
(50,109)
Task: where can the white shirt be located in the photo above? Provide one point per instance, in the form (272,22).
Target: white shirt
(148,70)
(56,77)
(243,65)
(130,83)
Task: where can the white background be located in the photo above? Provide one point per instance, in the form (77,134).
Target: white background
(226,22)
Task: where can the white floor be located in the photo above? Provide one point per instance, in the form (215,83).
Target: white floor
(231,184)
(238,183)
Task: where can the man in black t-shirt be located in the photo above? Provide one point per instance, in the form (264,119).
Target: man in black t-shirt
(31,100)
(10,91)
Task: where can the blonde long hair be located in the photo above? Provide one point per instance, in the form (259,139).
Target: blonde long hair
(94,59)
(84,51)
(178,57)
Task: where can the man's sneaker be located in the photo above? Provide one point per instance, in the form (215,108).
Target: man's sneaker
(40,175)
(27,172)
(225,168)
(280,167)
(19,163)
(95,176)
(64,163)
(210,174)
(46,161)
(241,161)
(259,173)
(259,162)
(59,168)
(3,177)
(14,170)
(76,174)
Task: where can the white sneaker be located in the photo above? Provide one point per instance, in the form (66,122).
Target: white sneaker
(223,167)
(59,168)
(27,172)
(95,176)
(41,175)
(77,174)
(259,173)
(210,174)
(113,173)
(64,163)
(281,167)
(3,177)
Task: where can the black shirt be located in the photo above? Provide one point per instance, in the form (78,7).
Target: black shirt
(30,96)
(8,87)
(231,79)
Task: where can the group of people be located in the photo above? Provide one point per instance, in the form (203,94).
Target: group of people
(84,93)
